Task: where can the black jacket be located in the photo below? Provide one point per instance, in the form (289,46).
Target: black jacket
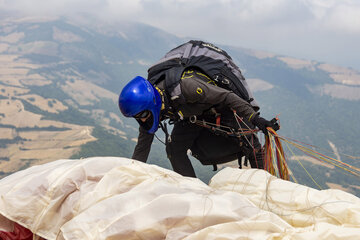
(196,95)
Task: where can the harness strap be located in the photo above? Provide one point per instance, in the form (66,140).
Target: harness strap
(167,135)
(218,119)
(163,98)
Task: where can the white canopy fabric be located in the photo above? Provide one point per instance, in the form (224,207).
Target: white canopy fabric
(120,198)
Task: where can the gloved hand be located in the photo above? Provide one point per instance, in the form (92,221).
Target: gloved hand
(262,123)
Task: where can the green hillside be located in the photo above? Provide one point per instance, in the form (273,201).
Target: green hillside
(59,83)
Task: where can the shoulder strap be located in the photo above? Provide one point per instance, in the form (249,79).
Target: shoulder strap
(185,57)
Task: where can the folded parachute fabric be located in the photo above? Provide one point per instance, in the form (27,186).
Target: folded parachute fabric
(120,198)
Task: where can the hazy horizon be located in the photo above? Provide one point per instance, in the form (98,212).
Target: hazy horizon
(320,30)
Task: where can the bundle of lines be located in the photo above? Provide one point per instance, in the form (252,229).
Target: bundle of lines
(275,159)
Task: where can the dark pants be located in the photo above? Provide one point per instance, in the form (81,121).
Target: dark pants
(183,137)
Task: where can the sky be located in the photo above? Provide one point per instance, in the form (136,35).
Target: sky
(321,30)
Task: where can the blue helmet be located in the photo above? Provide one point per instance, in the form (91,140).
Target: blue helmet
(139,96)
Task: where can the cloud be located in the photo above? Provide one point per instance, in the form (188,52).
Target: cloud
(315,29)
(337,16)
(345,17)
(51,7)
(333,14)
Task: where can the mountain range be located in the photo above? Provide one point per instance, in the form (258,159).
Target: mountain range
(60,80)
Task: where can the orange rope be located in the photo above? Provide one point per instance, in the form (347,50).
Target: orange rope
(274,160)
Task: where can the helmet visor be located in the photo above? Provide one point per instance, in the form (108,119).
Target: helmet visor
(143,115)
(148,122)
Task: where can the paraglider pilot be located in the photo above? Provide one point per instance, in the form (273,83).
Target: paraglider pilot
(146,103)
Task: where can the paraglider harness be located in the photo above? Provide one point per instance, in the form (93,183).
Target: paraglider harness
(218,66)
(219,143)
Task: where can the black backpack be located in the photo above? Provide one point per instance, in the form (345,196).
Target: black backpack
(209,148)
(207,58)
